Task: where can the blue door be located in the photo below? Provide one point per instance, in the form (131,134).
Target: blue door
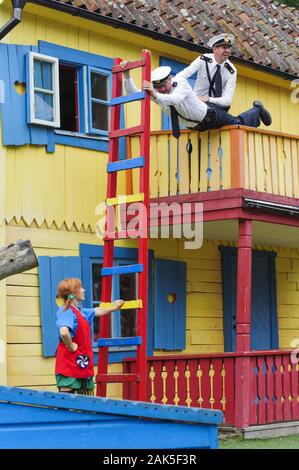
(264,326)
(170,305)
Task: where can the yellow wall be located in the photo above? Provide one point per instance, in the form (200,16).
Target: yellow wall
(60,188)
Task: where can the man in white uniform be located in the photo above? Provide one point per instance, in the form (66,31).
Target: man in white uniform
(216,75)
(176,98)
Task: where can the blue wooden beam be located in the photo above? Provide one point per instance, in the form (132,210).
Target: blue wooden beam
(131,268)
(137,162)
(127,98)
(128,341)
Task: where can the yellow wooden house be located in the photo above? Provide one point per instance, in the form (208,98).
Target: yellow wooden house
(223,318)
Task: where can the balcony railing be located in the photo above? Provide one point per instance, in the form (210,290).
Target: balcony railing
(271,384)
(232,157)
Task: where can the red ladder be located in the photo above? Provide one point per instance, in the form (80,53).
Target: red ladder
(108,271)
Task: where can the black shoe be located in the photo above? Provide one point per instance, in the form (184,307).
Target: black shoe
(265,116)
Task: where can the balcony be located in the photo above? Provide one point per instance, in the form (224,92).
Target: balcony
(268,379)
(228,158)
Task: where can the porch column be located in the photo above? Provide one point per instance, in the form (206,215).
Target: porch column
(243,309)
(243,313)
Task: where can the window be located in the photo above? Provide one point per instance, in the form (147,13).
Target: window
(96,286)
(44,90)
(123,323)
(59,105)
(128,291)
(72,97)
(98,101)
(69,107)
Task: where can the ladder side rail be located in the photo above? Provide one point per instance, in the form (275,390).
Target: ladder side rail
(109,244)
(141,357)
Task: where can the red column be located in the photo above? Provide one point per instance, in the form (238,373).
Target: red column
(243,313)
(244,270)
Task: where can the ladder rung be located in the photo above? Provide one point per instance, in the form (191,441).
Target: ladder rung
(127,341)
(123,234)
(140,95)
(129,304)
(120,165)
(130,268)
(117,378)
(123,132)
(124,199)
(130,65)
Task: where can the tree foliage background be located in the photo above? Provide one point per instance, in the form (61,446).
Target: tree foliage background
(291,3)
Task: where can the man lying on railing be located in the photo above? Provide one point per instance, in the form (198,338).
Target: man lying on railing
(176,98)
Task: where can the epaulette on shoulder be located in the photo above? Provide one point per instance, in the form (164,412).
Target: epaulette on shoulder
(229,68)
(205,58)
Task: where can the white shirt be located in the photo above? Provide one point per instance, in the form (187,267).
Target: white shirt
(202,83)
(182,97)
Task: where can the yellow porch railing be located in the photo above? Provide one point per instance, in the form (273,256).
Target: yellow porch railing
(232,157)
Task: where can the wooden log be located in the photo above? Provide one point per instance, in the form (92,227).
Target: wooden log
(16,258)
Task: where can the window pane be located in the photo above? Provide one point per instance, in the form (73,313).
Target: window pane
(43,106)
(96,282)
(99,86)
(100,116)
(128,292)
(68,87)
(96,295)
(43,75)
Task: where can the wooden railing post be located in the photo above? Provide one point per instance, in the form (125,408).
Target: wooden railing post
(237,148)
(243,314)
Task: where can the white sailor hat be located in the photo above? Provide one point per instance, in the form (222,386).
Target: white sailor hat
(160,75)
(221,39)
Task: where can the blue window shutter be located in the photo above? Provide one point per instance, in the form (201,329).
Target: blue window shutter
(170,318)
(51,271)
(12,72)
(176,67)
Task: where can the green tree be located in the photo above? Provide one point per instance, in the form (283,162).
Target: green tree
(291,3)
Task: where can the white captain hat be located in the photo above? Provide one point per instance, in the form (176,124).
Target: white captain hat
(221,40)
(160,75)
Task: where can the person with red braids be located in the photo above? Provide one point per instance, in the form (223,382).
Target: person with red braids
(74,356)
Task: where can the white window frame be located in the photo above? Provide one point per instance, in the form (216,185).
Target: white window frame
(105,73)
(55,80)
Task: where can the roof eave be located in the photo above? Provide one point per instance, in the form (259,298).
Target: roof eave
(116,23)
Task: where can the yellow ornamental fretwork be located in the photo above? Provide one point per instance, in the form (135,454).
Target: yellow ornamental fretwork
(188,400)
(176,374)
(152,376)
(164,377)
(223,399)
(199,376)
(211,374)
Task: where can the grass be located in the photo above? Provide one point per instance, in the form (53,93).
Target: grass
(288,442)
